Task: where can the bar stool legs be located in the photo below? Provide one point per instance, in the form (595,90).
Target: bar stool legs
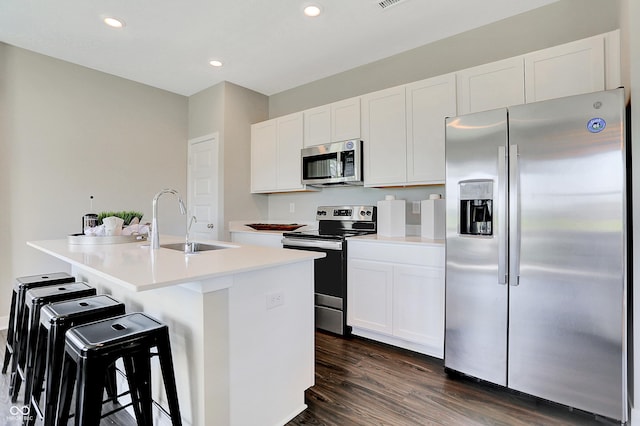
(35,299)
(18,323)
(90,348)
(8,351)
(55,320)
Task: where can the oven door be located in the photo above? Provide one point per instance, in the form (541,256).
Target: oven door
(330,282)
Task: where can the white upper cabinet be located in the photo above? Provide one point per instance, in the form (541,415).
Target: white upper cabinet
(612,60)
(317,125)
(275,154)
(384,132)
(290,135)
(334,122)
(429,102)
(264,156)
(565,70)
(403,129)
(489,86)
(345,120)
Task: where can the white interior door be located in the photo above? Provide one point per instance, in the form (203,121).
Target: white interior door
(203,194)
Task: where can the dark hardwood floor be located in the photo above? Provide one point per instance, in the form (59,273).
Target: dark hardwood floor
(359,382)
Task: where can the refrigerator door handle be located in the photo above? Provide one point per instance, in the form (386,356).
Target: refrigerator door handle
(514,216)
(502,215)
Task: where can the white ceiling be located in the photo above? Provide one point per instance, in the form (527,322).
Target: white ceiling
(265,45)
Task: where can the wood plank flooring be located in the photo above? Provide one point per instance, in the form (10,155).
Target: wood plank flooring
(359,382)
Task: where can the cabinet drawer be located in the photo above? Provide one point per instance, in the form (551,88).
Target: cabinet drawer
(412,254)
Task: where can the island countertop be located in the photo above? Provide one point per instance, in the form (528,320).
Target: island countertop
(234,315)
(137,267)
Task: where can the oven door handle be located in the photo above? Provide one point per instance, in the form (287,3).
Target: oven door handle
(318,244)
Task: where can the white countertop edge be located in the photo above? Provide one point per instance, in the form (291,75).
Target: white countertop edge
(80,265)
(409,239)
(255,260)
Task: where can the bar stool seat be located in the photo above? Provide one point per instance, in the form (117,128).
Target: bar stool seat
(35,299)
(20,288)
(55,319)
(90,348)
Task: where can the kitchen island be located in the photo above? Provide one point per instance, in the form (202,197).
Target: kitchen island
(240,319)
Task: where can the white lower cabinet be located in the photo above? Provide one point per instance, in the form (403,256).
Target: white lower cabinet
(370,293)
(395,294)
(267,239)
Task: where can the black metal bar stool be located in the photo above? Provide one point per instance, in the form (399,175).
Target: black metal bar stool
(35,299)
(22,285)
(91,348)
(55,320)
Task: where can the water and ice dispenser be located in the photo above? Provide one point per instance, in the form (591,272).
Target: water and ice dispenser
(476,207)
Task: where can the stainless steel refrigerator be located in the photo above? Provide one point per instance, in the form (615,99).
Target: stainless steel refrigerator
(536,268)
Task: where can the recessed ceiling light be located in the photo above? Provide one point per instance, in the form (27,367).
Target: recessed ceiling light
(215,63)
(312,10)
(113,22)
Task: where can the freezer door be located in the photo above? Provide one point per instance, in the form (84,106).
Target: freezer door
(476,290)
(567,293)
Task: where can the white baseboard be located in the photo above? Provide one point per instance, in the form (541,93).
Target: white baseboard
(4,323)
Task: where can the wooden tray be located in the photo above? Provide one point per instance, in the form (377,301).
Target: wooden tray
(274,226)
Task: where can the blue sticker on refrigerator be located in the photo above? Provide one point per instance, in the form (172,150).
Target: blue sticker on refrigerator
(596,125)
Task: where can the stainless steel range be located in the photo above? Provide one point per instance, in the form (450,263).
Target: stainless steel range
(335,224)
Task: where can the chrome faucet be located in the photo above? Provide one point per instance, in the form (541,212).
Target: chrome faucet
(155,236)
(187,246)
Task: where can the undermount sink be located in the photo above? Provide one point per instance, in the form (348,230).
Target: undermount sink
(193,247)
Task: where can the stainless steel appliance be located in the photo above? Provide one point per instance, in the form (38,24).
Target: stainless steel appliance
(335,224)
(338,163)
(536,285)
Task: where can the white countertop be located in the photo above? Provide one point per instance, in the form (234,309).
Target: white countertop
(409,239)
(138,268)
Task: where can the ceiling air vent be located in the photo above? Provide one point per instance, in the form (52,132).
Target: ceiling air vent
(385,4)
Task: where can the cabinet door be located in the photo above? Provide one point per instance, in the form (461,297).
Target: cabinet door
(384,132)
(429,102)
(345,120)
(369,295)
(495,85)
(290,135)
(418,306)
(264,156)
(257,239)
(612,60)
(565,70)
(317,125)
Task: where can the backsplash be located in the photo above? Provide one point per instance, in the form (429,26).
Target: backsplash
(304,204)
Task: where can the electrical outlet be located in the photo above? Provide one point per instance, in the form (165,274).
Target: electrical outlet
(275,299)
(292,207)
(415,207)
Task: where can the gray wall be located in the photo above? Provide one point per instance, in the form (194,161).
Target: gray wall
(230,110)
(68,132)
(558,23)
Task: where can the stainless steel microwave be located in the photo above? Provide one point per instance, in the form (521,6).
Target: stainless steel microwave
(338,163)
